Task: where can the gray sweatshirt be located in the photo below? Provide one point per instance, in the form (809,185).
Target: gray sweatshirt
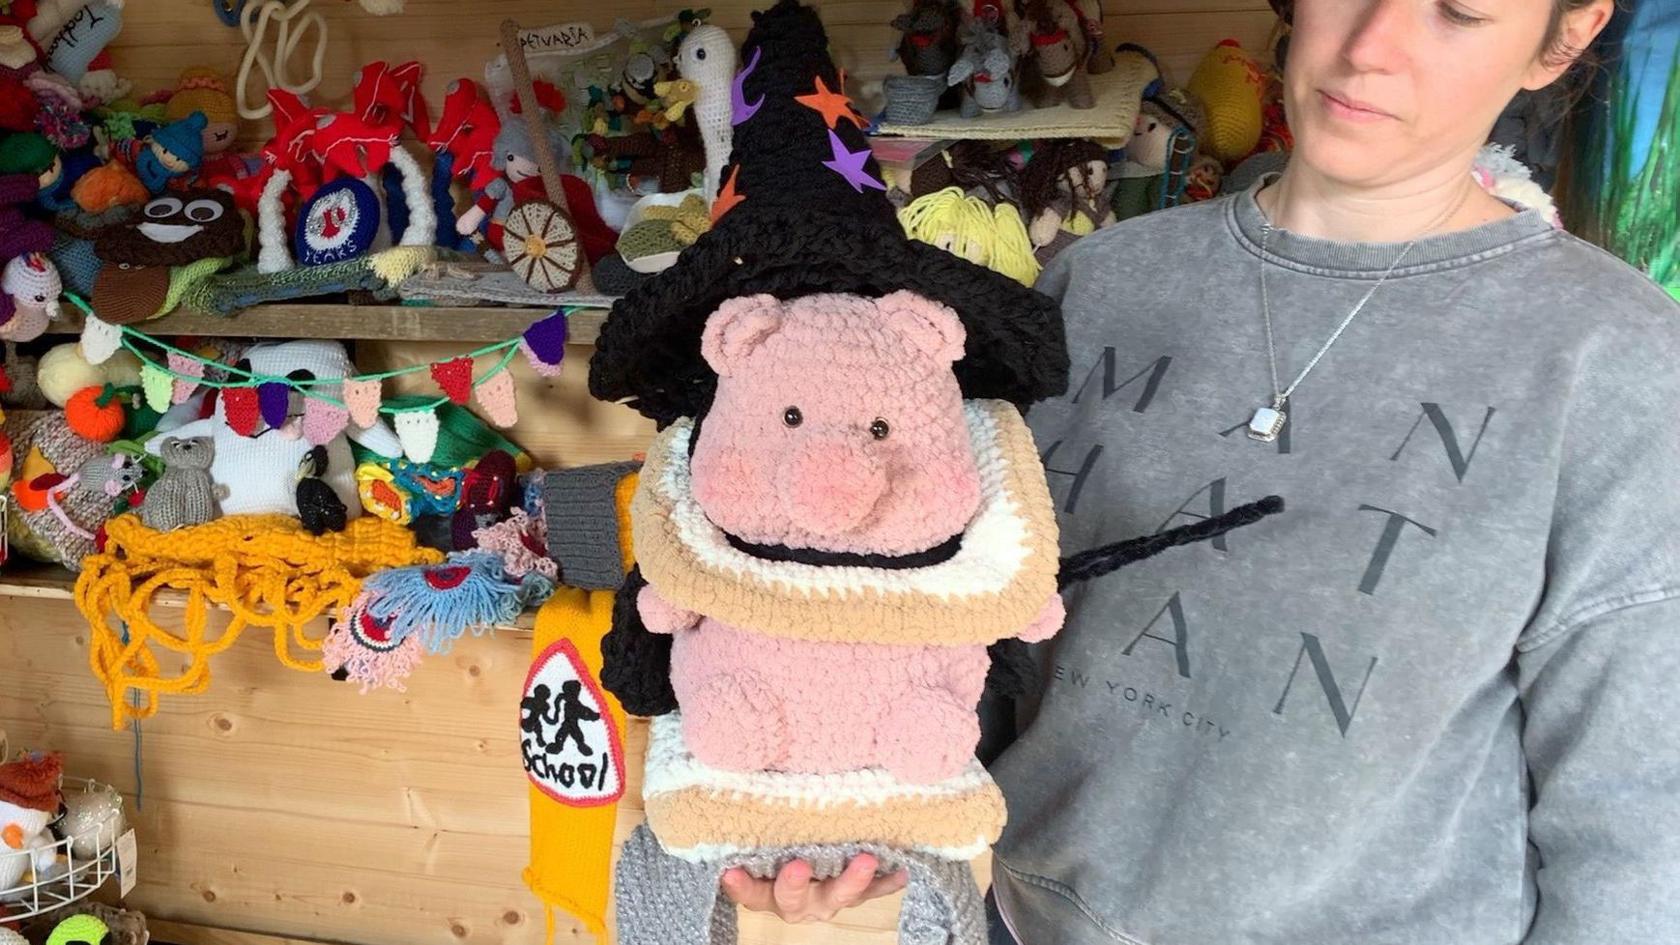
(1434,701)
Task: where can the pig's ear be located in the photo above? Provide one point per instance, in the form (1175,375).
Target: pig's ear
(930,326)
(736,328)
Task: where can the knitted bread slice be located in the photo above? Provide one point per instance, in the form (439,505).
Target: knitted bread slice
(702,813)
(991,589)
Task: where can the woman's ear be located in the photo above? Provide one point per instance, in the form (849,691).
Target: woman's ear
(1579,28)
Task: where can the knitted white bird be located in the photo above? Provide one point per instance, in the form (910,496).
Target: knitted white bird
(706,58)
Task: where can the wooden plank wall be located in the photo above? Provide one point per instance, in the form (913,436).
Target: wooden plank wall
(284,804)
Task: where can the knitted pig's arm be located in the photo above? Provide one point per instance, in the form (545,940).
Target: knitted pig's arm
(1048,621)
(660,615)
(636,662)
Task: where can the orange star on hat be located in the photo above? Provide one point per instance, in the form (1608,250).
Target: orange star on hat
(832,105)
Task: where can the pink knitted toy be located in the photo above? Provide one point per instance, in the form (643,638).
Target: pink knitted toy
(839,427)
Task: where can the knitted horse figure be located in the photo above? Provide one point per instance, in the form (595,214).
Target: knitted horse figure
(1056,72)
(986,71)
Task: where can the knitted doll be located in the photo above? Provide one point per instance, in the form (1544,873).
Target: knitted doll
(521,180)
(1162,151)
(31,286)
(203,91)
(1064,192)
(30,153)
(175,150)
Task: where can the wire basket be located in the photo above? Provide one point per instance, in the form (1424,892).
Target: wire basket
(71,878)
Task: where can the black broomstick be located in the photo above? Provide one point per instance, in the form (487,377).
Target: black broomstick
(637,662)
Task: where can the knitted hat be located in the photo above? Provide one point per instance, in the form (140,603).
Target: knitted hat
(32,782)
(184,138)
(201,90)
(803,210)
(27,153)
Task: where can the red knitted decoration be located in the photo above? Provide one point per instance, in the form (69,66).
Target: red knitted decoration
(455,378)
(239,405)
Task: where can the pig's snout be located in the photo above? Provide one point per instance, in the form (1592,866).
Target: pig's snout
(831,485)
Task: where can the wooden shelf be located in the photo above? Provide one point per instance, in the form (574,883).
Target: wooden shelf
(21,578)
(359,322)
(1117,94)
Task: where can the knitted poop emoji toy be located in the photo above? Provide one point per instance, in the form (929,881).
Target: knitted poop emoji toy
(841,530)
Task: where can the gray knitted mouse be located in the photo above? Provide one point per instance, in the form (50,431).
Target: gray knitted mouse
(184,494)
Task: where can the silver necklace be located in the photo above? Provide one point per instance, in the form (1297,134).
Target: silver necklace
(1268,421)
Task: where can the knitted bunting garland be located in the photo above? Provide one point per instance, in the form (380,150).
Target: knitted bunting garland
(362,399)
(242,410)
(320,407)
(496,396)
(418,431)
(158,385)
(455,378)
(180,364)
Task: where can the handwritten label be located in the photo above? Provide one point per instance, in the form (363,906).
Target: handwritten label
(562,37)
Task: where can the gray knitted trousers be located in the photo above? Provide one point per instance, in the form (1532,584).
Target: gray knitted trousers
(662,900)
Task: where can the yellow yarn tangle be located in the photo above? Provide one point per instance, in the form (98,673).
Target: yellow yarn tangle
(264,570)
(994,237)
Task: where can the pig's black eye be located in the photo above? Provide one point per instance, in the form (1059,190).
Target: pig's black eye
(879,429)
(792,417)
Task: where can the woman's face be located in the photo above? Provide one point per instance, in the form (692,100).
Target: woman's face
(1380,91)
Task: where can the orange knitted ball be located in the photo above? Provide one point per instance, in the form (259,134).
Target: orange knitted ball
(92,420)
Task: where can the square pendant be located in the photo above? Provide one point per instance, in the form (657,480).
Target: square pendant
(1266,423)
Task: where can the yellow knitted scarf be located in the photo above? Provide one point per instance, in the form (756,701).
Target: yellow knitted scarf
(263,570)
(572,843)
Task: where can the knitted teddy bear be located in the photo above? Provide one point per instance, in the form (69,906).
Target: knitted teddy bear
(184,495)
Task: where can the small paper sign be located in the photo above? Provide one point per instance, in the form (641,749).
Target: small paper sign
(128,862)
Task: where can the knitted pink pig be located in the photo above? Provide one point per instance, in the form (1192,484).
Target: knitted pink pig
(838,437)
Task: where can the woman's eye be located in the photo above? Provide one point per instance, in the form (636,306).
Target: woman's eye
(1459,16)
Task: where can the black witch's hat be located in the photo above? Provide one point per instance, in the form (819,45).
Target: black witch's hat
(804,210)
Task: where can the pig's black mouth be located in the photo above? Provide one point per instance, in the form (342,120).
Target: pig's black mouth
(938,554)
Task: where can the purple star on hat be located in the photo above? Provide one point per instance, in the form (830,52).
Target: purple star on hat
(850,164)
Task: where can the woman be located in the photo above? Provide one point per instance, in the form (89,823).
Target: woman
(1431,701)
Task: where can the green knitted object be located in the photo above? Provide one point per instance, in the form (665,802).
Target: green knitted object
(78,929)
(26,153)
(462,437)
(648,238)
(230,292)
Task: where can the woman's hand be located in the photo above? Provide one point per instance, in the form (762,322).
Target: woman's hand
(795,897)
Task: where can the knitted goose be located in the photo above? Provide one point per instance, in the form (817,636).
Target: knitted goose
(840,528)
(706,58)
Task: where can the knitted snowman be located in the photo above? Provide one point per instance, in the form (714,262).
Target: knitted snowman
(28,802)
